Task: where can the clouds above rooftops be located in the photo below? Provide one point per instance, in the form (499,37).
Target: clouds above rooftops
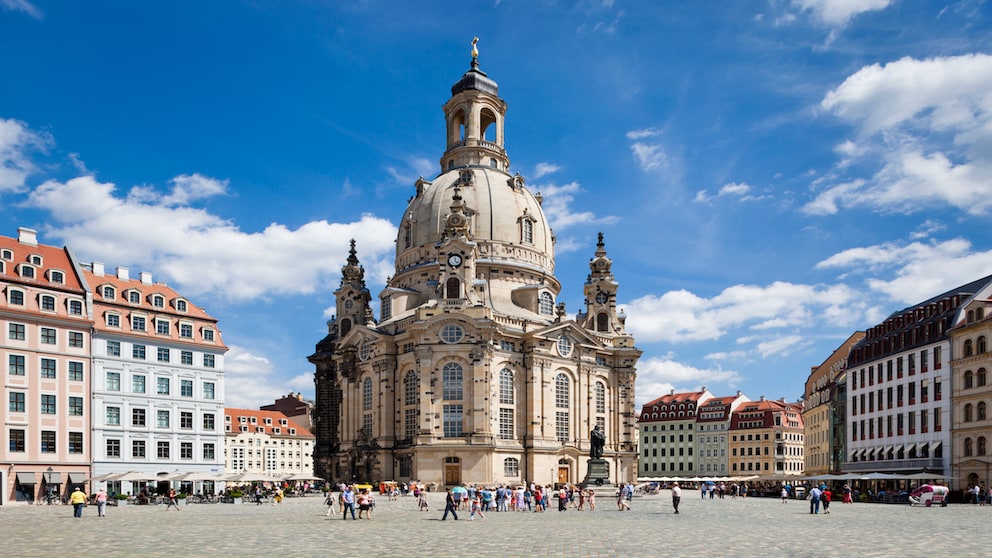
(17,144)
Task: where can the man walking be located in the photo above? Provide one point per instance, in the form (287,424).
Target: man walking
(348,503)
(676,496)
(449,506)
(814,500)
(78,500)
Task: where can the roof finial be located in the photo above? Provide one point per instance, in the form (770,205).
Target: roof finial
(475,49)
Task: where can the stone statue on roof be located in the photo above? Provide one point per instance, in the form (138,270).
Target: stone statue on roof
(475,49)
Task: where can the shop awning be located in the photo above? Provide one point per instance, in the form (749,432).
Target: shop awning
(77,478)
(52,478)
(26,478)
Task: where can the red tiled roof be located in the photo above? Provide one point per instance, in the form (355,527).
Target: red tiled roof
(53,258)
(274,416)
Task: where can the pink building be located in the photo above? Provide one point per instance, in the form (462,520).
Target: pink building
(45,323)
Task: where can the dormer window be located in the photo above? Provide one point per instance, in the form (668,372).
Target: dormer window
(292,432)
(35,259)
(7,254)
(181,305)
(54,276)
(527,234)
(76,307)
(109,293)
(162,327)
(113,320)
(26,271)
(277,430)
(47,303)
(186,330)
(15,297)
(134,297)
(268,421)
(208,334)
(283,422)
(158,301)
(546,304)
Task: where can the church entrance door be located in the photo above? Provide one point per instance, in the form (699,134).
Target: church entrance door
(452,474)
(562,474)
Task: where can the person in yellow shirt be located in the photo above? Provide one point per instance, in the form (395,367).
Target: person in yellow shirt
(78,500)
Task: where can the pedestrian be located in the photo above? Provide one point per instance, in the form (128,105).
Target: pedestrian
(825,497)
(422,501)
(814,500)
(348,503)
(101,503)
(476,509)
(676,496)
(365,504)
(258,495)
(78,500)
(582,499)
(538,499)
(622,499)
(449,506)
(562,499)
(329,502)
(785,495)
(277,497)
(848,499)
(173,501)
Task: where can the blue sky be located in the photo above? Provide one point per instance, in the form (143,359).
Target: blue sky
(770,176)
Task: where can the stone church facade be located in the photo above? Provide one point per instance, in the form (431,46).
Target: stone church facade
(473,372)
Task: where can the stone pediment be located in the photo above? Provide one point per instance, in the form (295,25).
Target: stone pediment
(553,332)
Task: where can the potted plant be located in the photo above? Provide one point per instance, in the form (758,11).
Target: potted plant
(121,499)
(181,497)
(236,496)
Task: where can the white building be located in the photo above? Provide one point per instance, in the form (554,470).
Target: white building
(266,442)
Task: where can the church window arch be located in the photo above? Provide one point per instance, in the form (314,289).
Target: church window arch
(506,386)
(969,380)
(564,345)
(411,387)
(968,348)
(527,231)
(980,377)
(562,389)
(452,333)
(367,394)
(968,447)
(345,326)
(487,122)
(981,449)
(407,236)
(981,411)
(602,322)
(452,381)
(386,308)
(546,304)
(968,413)
(979,313)
(452,288)
(511,467)
(980,345)
(600,392)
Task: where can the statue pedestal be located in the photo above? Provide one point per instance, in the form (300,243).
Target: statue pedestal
(597,473)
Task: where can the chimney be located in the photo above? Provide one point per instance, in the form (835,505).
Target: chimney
(739,393)
(27,236)
(146,277)
(762,398)
(98,269)
(122,273)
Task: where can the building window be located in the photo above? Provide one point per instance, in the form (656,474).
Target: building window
(138,448)
(16,332)
(208,390)
(561,426)
(208,361)
(48,335)
(186,331)
(113,320)
(163,354)
(17,402)
(410,388)
(968,450)
(981,411)
(208,334)
(15,365)
(134,297)
(367,394)
(546,304)
(158,301)
(386,307)
(181,306)
(452,382)
(511,467)
(138,417)
(162,386)
(113,416)
(410,423)
(186,357)
(564,346)
(75,442)
(452,333)
(75,406)
(48,441)
(186,420)
(969,380)
(16,298)
(528,231)
(163,450)
(47,368)
(56,277)
(186,450)
(138,352)
(162,327)
(17,443)
(506,423)
(48,303)
(600,397)
(452,421)
(113,448)
(208,421)
(561,391)
(48,404)
(76,340)
(162,420)
(138,323)
(208,452)
(75,307)
(186,388)
(138,383)
(506,386)
(113,381)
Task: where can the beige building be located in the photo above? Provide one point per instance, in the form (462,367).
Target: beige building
(971,361)
(474,372)
(822,408)
(766,439)
(45,323)
(266,442)
(667,428)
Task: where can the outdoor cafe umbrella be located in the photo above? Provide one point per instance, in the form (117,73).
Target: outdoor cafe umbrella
(301,477)
(197,477)
(102,478)
(248,476)
(135,476)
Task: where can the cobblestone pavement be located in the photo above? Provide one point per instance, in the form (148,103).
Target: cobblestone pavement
(729,527)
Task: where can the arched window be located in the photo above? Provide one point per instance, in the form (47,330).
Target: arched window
(511,467)
(979,313)
(407,236)
(968,413)
(506,386)
(410,388)
(971,316)
(968,348)
(969,380)
(980,377)
(452,381)
(109,293)
(981,446)
(981,411)
(600,397)
(452,288)
(968,449)
(981,346)
(345,326)
(602,321)
(561,391)
(547,304)
(367,394)
(527,232)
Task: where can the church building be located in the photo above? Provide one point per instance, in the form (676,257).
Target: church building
(474,373)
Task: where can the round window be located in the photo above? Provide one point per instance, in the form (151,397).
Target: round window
(564,346)
(348,304)
(452,333)
(364,351)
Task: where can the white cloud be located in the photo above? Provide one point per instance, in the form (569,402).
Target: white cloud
(643,133)
(929,123)
(543,169)
(659,375)
(837,13)
(927,229)
(681,316)
(649,156)
(249,379)
(557,206)
(739,190)
(22,6)
(782,345)
(17,142)
(201,252)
